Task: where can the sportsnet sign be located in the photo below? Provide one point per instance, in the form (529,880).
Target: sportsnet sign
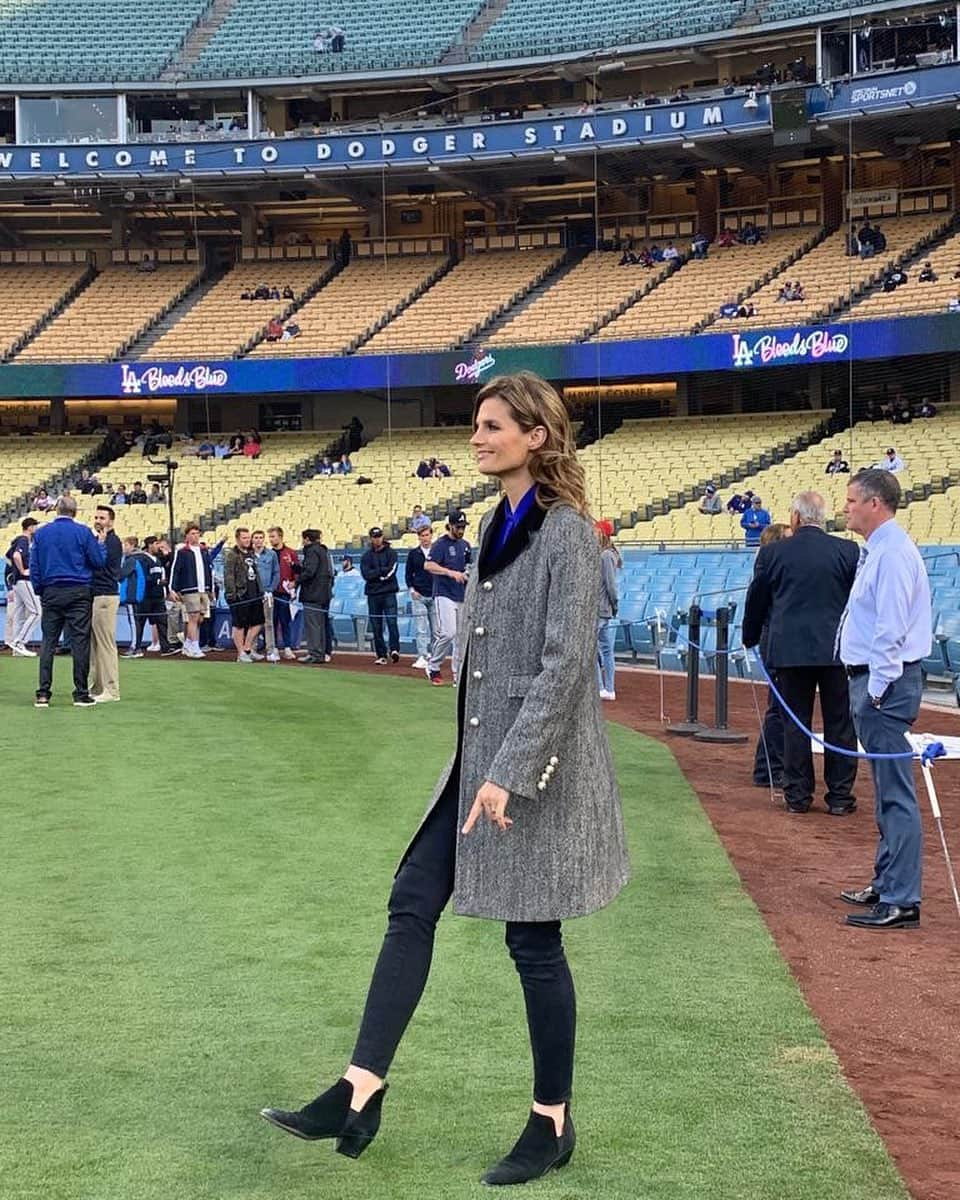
(933,86)
(149,380)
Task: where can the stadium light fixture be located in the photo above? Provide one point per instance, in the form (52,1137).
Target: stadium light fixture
(559,158)
(433,169)
(688,145)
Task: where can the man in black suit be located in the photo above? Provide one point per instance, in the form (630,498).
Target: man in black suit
(800,588)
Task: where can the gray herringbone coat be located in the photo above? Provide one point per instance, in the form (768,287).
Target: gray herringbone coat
(531,722)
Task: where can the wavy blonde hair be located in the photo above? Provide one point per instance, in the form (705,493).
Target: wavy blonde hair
(555,468)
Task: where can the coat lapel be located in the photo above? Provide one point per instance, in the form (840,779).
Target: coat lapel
(518,542)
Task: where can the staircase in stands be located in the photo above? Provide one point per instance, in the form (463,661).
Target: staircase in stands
(488,13)
(196,41)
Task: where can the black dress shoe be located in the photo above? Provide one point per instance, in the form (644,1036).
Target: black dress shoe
(842,810)
(887,916)
(866,897)
(798,808)
(330,1116)
(538,1150)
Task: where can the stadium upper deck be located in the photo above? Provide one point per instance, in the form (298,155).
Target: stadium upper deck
(48,43)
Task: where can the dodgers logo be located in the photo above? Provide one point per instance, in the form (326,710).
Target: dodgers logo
(470,372)
(155,379)
(768,348)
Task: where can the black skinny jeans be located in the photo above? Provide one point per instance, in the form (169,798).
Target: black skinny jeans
(420,893)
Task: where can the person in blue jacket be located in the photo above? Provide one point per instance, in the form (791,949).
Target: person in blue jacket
(65,557)
(754,522)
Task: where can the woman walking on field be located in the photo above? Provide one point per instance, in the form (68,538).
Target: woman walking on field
(525,825)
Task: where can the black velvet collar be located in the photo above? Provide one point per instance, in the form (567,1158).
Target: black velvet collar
(516,544)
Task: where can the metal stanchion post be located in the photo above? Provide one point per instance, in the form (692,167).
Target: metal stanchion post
(691,725)
(720,732)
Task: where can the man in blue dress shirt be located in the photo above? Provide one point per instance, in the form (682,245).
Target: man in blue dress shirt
(884,633)
(65,557)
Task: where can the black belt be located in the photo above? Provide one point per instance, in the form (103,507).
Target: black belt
(861,669)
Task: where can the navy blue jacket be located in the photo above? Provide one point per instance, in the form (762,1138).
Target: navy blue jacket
(106,579)
(799,590)
(416,575)
(67,553)
(183,573)
(379,570)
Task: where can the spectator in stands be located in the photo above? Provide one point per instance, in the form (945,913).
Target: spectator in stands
(191,584)
(926,409)
(43,502)
(680,94)
(23,605)
(418,520)
(346,565)
(892,462)
(853,243)
(379,570)
(800,590)
(927,273)
(147,263)
(837,465)
(754,521)
(423,470)
(439,470)
(251,446)
(120,495)
(244,593)
(354,431)
(710,503)
(447,563)
(645,258)
(268,568)
(419,584)
(726,239)
(656,254)
(747,309)
(700,245)
(953,304)
(247,295)
(288,293)
(628,259)
(326,466)
(739,504)
(344,466)
(750,235)
(85,483)
(866,237)
(207,449)
(292,331)
(893,279)
(64,557)
(729,309)
(138,493)
(900,412)
(104,662)
(274,329)
(651,98)
(609,603)
(670,253)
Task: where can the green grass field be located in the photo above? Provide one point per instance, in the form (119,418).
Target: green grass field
(191,898)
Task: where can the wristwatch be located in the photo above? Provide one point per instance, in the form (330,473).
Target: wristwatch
(876,701)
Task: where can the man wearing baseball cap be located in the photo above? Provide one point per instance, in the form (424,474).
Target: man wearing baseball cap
(710,503)
(447,563)
(379,569)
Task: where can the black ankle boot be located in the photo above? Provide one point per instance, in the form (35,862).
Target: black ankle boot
(330,1116)
(538,1150)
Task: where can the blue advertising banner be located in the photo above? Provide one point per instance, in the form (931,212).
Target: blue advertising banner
(737,350)
(880,93)
(453,143)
